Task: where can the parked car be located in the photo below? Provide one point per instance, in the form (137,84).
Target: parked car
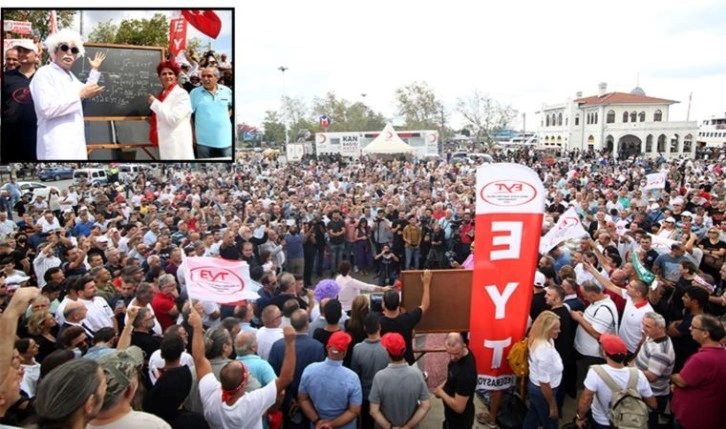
(33,188)
(55,173)
(90,176)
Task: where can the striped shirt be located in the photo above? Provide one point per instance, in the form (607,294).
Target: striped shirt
(658,357)
(43,263)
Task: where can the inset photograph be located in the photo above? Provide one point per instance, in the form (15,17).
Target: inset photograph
(112,85)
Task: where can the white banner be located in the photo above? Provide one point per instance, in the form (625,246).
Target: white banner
(294,152)
(349,146)
(568,226)
(18,27)
(655,181)
(218,280)
(660,244)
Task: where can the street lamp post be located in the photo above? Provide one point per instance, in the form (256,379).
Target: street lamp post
(283,69)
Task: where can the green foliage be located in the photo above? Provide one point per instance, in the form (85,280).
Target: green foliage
(40,19)
(419,107)
(105,32)
(274,128)
(346,116)
(144,32)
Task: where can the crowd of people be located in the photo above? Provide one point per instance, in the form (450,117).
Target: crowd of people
(43,106)
(100,331)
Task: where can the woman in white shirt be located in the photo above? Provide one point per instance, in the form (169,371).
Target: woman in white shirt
(545,372)
(171,129)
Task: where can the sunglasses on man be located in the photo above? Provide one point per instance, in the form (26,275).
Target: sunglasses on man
(65,48)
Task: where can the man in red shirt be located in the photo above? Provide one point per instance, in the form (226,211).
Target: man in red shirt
(699,389)
(164,303)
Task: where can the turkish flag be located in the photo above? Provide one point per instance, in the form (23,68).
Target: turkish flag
(206,21)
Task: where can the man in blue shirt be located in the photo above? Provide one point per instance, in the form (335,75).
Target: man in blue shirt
(330,393)
(212,108)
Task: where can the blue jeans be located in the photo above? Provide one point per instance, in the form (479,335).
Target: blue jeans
(350,252)
(539,409)
(213,152)
(336,255)
(412,256)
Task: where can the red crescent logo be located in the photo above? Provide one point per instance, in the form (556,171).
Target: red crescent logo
(432,137)
(322,138)
(389,135)
(568,222)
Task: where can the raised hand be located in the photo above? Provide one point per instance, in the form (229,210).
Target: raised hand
(91,90)
(97,60)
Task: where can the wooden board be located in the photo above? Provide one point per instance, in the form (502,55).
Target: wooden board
(128,75)
(450,300)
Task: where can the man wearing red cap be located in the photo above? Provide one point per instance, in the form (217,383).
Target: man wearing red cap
(614,371)
(330,395)
(399,396)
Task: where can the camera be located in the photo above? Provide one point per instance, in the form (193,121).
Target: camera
(450,256)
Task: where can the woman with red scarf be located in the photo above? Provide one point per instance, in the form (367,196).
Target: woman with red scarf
(171,111)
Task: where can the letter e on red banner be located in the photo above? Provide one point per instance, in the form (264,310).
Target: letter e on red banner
(509,209)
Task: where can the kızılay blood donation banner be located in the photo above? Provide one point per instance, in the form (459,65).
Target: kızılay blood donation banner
(510,202)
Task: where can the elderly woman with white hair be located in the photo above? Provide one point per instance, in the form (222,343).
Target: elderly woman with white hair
(58,94)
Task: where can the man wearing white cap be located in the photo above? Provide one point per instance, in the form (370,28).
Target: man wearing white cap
(58,97)
(19,120)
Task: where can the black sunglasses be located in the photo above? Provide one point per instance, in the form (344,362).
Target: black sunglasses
(65,48)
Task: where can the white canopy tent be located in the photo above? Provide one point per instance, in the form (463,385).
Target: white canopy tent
(388,143)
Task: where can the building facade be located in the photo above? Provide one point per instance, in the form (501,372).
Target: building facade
(624,124)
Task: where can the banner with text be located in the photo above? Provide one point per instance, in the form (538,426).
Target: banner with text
(349,146)
(177,36)
(510,202)
(655,181)
(568,226)
(294,152)
(218,280)
(24,28)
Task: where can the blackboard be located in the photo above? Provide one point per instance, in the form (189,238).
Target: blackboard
(450,305)
(128,75)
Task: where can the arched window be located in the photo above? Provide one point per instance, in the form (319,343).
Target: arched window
(548,120)
(567,120)
(577,119)
(641,117)
(596,117)
(633,116)
(675,144)
(649,143)
(559,119)
(591,141)
(625,116)
(661,143)
(687,143)
(611,117)
(657,116)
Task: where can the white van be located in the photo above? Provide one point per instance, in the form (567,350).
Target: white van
(91,176)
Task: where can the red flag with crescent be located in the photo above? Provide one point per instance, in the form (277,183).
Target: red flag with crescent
(204,20)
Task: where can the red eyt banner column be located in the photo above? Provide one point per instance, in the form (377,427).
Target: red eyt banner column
(177,36)
(510,202)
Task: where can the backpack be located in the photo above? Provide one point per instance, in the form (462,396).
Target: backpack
(627,408)
(518,358)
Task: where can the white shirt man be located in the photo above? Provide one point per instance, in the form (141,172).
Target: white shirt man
(100,315)
(601,315)
(57,99)
(47,224)
(7,226)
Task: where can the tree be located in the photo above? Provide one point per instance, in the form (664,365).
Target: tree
(419,107)
(347,116)
(484,116)
(274,128)
(194,44)
(144,32)
(40,19)
(105,32)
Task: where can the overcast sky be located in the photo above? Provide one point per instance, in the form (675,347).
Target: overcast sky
(522,52)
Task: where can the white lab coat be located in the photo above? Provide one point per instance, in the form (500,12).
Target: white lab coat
(56,95)
(173,125)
